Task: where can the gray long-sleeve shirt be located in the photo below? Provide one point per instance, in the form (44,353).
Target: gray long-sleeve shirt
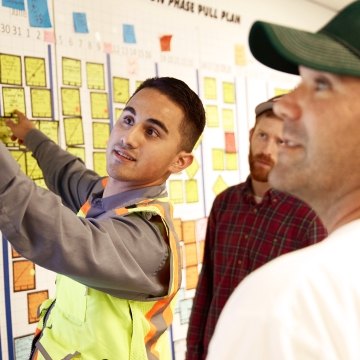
(124,256)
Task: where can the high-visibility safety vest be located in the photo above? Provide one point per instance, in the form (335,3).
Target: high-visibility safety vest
(90,324)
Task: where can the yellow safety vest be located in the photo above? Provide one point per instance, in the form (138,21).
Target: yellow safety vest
(90,324)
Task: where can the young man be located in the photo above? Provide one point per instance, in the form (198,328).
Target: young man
(249,224)
(305,305)
(119,259)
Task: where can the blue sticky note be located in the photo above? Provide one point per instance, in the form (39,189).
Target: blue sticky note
(80,23)
(129,34)
(38,13)
(14,4)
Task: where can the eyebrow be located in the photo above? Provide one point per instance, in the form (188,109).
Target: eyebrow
(151,120)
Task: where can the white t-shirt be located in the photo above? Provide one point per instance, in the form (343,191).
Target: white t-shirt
(302,305)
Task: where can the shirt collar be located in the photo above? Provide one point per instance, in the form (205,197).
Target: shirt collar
(127,198)
(270,196)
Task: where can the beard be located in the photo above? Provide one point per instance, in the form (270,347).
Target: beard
(257,172)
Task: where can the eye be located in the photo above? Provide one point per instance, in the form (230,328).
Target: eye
(322,83)
(280,142)
(262,135)
(152,132)
(128,120)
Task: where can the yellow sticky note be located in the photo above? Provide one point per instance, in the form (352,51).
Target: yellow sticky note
(229,92)
(231,160)
(74,133)
(210,90)
(50,128)
(219,185)
(5,133)
(121,90)
(10,69)
(77,151)
(212,116)
(99,105)
(70,99)
(192,170)
(228,119)
(35,73)
(192,194)
(240,55)
(14,99)
(71,71)
(101,132)
(41,103)
(176,191)
(218,159)
(32,168)
(95,76)
(99,159)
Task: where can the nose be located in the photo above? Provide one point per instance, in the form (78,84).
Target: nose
(287,107)
(270,148)
(131,137)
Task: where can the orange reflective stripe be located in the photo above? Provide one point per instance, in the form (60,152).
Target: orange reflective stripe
(104,181)
(36,355)
(175,283)
(85,208)
(158,307)
(121,211)
(168,315)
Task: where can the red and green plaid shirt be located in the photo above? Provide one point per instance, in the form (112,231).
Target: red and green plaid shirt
(241,236)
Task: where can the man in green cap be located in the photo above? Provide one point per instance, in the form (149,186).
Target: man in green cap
(306,304)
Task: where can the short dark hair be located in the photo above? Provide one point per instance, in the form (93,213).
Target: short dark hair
(179,92)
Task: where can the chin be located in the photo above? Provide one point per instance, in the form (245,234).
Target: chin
(276,180)
(260,176)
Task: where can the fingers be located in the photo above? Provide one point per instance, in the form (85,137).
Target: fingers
(19,126)
(14,138)
(10,123)
(21,116)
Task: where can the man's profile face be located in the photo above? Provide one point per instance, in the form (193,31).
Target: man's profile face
(320,158)
(265,140)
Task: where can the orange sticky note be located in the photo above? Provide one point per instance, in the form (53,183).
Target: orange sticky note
(165,42)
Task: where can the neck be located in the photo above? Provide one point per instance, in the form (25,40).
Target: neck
(338,213)
(114,187)
(259,188)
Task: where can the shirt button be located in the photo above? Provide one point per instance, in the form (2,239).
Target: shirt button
(239,262)
(255,211)
(275,240)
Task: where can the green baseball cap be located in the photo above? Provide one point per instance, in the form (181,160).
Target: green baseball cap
(335,48)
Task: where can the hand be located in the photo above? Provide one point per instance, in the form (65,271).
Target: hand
(21,128)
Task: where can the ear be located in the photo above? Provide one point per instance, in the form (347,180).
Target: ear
(181,162)
(251,133)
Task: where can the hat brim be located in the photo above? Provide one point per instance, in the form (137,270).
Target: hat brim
(284,49)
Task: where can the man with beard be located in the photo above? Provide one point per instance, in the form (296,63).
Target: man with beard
(249,224)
